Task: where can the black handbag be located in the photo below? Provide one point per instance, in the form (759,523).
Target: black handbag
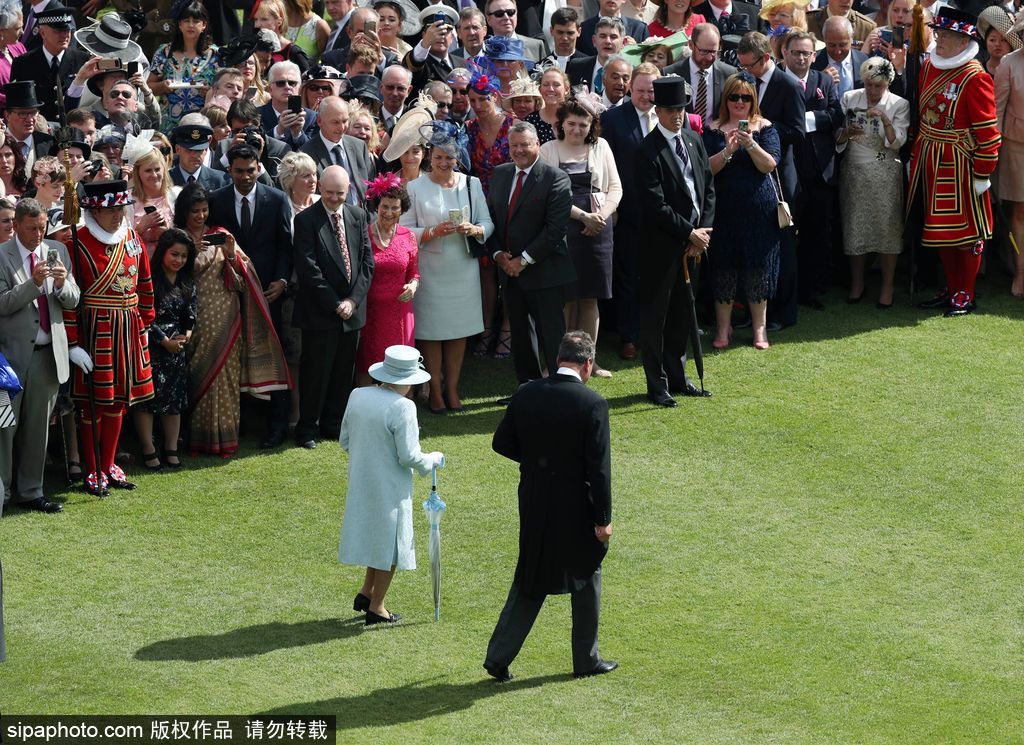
(477,249)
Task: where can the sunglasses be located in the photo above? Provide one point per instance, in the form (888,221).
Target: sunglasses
(320,88)
(127,95)
(443,105)
(286,83)
(745,98)
(507,13)
(164,150)
(460,91)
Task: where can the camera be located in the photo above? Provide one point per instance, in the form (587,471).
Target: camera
(52,257)
(215,239)
(253,136)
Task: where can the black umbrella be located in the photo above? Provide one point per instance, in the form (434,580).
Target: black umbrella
(698,352)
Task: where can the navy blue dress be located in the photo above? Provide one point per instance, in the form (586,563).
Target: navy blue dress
(744,250)
(175,314)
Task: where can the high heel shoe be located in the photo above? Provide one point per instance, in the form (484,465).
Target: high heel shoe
(483,346)
(722,344)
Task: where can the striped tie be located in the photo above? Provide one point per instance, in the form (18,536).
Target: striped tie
(701,108)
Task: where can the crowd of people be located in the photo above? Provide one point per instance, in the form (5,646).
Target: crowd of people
(277,192)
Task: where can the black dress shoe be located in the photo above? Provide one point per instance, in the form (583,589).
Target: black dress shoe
(274,440)
(955,311)
(602,667)
(372,618)
(308,444)
(883,306)
(813,303)
(662,399)
(361,604)
(499,672)
(773,326)
(939,301)
(854,300)
(691,390)
(42,504)
(124,484)
(504,401)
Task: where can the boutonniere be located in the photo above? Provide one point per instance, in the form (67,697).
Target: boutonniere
(818,94)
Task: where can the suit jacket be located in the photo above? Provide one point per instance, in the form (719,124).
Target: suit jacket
(742,19)
(620,128)
(720,72)
(42,145)
(362,166)
(557,429)
(274,151)
(862,25)
(816,155)
(269,243)
(783,105)
(665,204)
(431,69)
(537,225)
(585,43)
(821,61)
(580,70)
(19,313)
(551,59)
(208,178)
(320,268)
(269,121)
(534,49)
(32,66)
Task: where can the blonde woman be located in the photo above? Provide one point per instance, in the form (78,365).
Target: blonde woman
(153,191)
(273,16)
(305,28)
(253,80)
(363,126)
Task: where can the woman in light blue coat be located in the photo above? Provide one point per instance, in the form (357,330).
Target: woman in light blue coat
(381,435)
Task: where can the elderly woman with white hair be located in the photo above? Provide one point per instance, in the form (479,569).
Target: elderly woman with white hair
(297,175)
(871,179)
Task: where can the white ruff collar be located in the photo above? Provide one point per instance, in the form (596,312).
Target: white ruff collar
(950,63)
(102,235)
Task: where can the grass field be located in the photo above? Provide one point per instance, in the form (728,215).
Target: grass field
(827,551)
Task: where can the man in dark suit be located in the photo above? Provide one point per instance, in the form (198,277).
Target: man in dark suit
(52,61)
(781,102)
(430,58)
(260,218)
(292,128)
(565,30)
(703,63)
(557,430)
(839,59)
(815,161)
(732,17)
(624,128)
(339,40)
(20,115)
(332,147)
(530,202)
(191,144)
(608,38)
(676,194)
(242,117)
(503,20)
(334,265)
(634,29)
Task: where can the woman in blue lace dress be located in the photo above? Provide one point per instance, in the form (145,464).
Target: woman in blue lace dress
(182,71)
(743,149)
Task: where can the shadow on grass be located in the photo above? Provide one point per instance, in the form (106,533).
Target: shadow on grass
(415,701)
(250,641)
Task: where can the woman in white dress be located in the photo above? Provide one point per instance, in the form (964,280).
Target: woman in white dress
(381,436)
(447,304)
(871,179)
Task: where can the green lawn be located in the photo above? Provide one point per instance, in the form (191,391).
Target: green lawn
(826,551)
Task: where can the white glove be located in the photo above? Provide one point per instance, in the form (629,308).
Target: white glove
(981,186)
(81,358)
(438,459)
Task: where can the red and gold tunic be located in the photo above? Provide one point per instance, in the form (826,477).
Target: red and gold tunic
(112,321)
(957,142)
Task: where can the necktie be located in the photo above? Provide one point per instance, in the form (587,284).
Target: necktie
(41,301)
(516,191)
(599,81)
(645,122)
(54,67)
(803,85)
(24,150)
(191,179)
(701,107)
(339,233)
(30,24)
(681,151)
(691,187)
(339,156)
(723,21)
(844,79)
(246,217)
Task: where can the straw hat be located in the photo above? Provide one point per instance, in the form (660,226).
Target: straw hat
(770,5)
(402,365)
(524,87)
(998,18)
(407,131)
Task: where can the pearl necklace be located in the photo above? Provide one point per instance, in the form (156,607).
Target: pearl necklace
(380,239)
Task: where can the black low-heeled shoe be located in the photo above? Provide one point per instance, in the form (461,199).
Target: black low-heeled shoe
(148,457)
(171,454)
(855,300)
(361,604)
(372,618)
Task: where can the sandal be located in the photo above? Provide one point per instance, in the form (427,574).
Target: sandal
(74,472)
(483,345)
(171,454)
(148,461)
(503,348)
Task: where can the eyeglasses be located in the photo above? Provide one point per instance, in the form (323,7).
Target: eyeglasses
(320,88)
(22,113)
(506,13)
(744,97)
(286,83)
(707,52)
(802,54)
(127,95)
(164,150)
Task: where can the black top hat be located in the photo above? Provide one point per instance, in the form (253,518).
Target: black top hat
(363,86)
(957,21)
(77,139)
(110,38)
(192,136)
(670,92)
(57,16)
(21,94)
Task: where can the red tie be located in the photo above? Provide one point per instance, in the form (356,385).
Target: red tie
(41,301)
(520,177)
(339,233)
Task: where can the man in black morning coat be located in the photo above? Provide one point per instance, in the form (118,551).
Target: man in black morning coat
(676,194)
(557,430)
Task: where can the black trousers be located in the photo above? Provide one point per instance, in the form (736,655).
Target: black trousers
(520,612)
(782,308)
(326,375)
(280,401)
(815,239)
(627,308)
(664,333)
(537,323)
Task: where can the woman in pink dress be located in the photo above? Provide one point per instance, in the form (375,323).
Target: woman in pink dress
(389,312)
(10,47)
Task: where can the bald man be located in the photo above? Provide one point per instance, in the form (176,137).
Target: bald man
(333,146)
(334,265)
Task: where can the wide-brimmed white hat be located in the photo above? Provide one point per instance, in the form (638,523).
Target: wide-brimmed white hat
(407,132)
(402,365)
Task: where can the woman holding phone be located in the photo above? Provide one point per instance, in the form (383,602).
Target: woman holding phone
(153,191)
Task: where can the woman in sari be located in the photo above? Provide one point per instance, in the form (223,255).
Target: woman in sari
(233,346)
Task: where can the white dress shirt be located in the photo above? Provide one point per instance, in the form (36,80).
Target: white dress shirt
(251,196)
(648,120)
(527,259)
(685,166)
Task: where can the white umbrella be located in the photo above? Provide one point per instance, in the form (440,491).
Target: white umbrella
(435,508)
